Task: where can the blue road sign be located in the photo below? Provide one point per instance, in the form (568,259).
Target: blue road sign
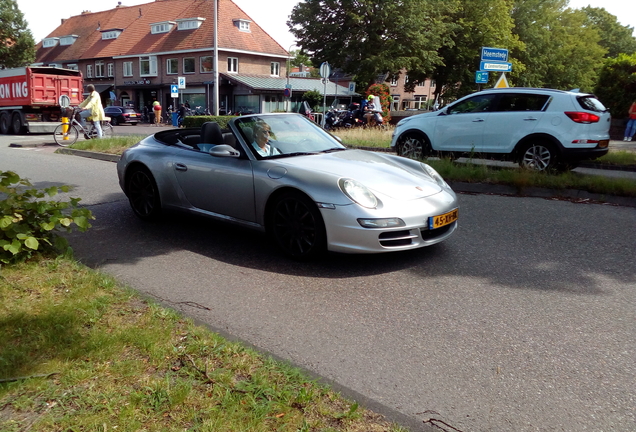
(494,54)
(481,77)
(495,66)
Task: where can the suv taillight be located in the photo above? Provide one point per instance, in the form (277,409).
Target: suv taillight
(582,117)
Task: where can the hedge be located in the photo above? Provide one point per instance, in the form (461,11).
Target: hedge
(197,121)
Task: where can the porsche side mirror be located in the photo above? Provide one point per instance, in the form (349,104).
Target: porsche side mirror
(224,150)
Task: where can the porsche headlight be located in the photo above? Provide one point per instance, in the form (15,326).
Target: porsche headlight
(435,176)
(358,193)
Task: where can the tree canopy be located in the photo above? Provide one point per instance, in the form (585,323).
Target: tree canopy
(550,45)
(17,47)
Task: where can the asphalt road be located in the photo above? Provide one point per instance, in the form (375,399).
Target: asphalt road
(524,320)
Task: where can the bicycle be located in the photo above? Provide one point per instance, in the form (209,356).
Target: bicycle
(68,133)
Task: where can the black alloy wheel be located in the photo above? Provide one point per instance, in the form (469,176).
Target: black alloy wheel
(143,194)
(297,226)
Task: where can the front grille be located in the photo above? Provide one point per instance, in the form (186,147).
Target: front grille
(396,238)
(431,234)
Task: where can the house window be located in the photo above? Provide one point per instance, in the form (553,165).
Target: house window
(148,66)
(172,66)
(68,40)
(274,69)
(242,24)
(89,71)
(111,69)
(189,23)
(99,69)
(72,66)
(110,34)
(128,69)
(206,64)
(395,105)
(188,65)
(49,42)
(232,64)
(394,81)
(161,27)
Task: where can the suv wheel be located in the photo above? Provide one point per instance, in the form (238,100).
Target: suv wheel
(414,146)
(538,156)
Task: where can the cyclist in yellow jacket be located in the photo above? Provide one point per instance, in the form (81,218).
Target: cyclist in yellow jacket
(93,108)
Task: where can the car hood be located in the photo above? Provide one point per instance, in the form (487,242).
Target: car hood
(383,174)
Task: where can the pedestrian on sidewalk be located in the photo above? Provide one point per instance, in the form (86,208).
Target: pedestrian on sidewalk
(631,123)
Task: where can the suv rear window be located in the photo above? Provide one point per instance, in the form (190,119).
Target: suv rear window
(590,103)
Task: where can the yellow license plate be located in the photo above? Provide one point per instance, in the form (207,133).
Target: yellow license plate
(442,220)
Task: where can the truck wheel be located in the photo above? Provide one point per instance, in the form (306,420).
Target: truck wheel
(5,123)
(16,124)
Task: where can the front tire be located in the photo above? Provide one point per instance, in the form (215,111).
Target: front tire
(143,194)
(414,146)
(296,225)
(538,156)
(71,135)
(107,130)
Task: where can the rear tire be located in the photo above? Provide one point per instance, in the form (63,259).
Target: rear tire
(143,194)
(17,127)
(5,123)
(71,135)
(538,156)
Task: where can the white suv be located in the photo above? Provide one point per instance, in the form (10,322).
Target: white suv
(538,128)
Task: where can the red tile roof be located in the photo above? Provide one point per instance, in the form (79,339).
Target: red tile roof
(136,38)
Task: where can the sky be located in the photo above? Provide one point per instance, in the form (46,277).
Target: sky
(44,16)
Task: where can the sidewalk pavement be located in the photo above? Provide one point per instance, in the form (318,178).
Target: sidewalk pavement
(461,187)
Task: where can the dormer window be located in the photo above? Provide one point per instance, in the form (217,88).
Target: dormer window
(50,42)
(189,23)
(111,34)
(68,40)
(161,27)
(242,24)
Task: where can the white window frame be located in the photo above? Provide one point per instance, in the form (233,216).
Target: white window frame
(176,61)
(274,69)
(189,23)
(243,25)
(89,71)
(127,69)
(161,27)
(232,64)
(111,34)
(194,65)
(152,66)
(50,42)
(111,69)
(99,69)
(393,82)
(68,40)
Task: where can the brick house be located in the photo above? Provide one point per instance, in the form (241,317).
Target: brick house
(134,54)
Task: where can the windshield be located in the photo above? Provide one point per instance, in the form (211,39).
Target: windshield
(279,135)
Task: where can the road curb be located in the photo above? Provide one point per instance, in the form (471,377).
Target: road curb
(574,195)
(88,154)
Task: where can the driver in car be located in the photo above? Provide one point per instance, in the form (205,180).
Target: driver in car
(261,143)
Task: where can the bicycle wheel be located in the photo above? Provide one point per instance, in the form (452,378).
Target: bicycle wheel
(107,130)
(67,139)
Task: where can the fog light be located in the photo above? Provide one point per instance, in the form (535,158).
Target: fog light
(381,223)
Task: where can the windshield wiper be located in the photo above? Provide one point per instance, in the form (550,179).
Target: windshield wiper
(334,149)
(297,154)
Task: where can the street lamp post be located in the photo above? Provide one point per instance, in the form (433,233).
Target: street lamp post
(288,66)
(215,96)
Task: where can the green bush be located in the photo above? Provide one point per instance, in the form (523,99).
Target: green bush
(29,223)
(197,121)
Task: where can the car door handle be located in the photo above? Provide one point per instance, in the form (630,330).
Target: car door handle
(180,167)
(478,120)
(530,119)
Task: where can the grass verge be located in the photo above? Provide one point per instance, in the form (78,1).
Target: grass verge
(473,173)
(80,352)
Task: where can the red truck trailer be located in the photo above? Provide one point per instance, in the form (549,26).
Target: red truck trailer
(30,97)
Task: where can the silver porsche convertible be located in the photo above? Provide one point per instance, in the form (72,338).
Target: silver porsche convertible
(283,174)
